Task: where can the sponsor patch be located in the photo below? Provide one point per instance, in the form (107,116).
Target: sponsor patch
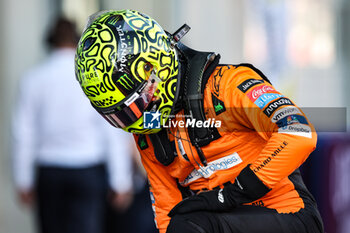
(260,90)
(216,165)
(272,107)
(244,86)
(219,106)
(283,112)
(142,142)
(297,129)
(293,119)
(265,99)
(272,156)
(131,99)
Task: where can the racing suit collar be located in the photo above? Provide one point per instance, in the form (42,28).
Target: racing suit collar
(191,72)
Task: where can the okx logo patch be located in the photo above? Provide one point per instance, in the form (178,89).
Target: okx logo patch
(142,141)
(219,106)
(151,120)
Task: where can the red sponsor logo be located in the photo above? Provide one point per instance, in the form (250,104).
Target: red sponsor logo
(258,91)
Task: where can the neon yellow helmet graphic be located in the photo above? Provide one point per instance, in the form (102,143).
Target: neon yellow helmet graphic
(126,65)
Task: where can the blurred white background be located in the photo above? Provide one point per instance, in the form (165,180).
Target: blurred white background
(301,45)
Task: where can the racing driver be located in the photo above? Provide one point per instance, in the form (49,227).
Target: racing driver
(220,145)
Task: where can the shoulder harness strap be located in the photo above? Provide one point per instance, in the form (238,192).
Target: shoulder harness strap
(164,149)
(199,67)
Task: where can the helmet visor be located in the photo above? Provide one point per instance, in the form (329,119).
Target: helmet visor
(131,109)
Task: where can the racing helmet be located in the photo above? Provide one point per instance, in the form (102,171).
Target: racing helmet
(126,65)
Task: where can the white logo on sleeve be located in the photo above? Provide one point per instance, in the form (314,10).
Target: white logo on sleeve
(283,112)
(216,165)
(297,129)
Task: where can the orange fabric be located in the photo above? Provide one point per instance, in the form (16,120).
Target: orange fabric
(249,135)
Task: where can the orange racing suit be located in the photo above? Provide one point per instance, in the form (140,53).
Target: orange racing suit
(259,127)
